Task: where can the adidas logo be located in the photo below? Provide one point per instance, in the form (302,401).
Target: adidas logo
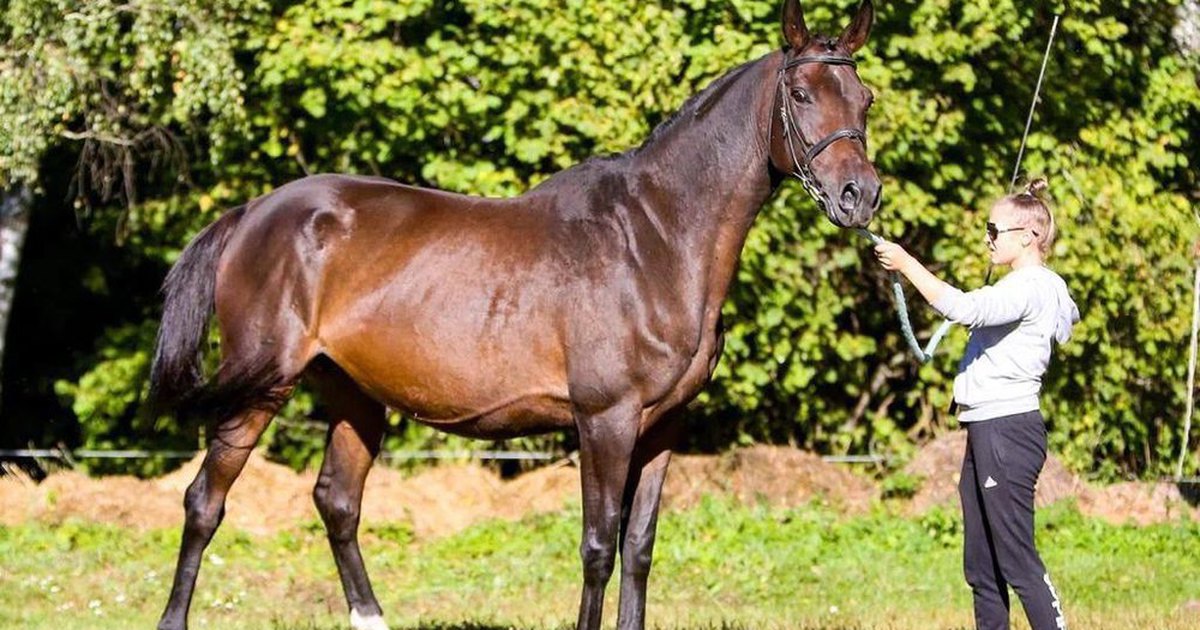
(990,483)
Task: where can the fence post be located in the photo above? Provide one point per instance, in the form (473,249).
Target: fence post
(1191,380)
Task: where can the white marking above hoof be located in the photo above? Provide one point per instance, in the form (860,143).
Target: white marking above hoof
(372,622)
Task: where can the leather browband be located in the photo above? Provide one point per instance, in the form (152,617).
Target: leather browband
(833,60)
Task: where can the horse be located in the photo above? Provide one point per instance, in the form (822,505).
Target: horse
(590,302)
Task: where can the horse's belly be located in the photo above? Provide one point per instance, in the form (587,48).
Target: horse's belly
(460,382)
(527,415)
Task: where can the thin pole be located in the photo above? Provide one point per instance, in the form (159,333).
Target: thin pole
(1033,106)
(1191,380)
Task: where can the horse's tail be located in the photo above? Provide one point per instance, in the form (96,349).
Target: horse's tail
(189,298)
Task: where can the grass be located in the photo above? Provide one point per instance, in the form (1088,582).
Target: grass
(720,566)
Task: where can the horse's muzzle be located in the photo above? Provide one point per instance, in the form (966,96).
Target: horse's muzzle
(856,202)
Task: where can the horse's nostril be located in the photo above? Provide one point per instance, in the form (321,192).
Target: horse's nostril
(851,194)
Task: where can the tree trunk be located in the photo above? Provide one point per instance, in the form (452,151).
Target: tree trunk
(1187,29)
(14,222)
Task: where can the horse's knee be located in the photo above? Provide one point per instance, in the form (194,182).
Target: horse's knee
(338,510)
(637,555)
(599,558)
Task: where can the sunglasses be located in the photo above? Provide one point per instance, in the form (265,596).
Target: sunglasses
(994,232)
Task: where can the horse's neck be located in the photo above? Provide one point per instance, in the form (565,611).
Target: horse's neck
(709,177)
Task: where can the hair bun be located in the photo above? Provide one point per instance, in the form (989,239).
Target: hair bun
(1036,187)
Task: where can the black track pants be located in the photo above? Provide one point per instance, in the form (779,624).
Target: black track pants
(1000,470)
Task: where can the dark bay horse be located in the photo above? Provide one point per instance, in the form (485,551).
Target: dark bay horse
(590,302)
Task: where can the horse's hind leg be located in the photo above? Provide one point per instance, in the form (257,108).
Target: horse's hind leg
(355,431)
(204,501)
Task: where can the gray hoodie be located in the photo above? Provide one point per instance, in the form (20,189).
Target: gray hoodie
(1012,324)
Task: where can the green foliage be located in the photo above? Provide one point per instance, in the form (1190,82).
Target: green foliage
(901,485)
(111,73)
(106,402)
(392,533)
(491,98)
(943,525)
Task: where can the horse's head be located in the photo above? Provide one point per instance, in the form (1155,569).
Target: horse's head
(819,117)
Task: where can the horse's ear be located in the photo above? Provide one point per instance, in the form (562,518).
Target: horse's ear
(857,31)
(795,31)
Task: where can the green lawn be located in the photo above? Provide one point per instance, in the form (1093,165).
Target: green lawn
(720,565)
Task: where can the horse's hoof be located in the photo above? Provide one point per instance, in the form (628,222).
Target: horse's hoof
(371,622)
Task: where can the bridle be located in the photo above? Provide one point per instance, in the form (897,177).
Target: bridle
(791,131)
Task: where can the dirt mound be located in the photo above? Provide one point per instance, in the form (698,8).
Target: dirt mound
(269,497)
(543,490)
(1136,502)
(780,476)
(441,500)
(939,463)
(65,495)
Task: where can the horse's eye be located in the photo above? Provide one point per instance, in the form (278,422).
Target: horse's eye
(802,95)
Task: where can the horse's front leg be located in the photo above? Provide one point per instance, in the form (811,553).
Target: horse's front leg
(606,442)
(640,518)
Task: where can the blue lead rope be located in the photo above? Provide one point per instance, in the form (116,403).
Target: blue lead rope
(922,355)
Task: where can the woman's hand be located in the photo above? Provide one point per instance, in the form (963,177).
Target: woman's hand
(893,257)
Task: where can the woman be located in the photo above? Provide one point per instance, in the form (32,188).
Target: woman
(1012,325)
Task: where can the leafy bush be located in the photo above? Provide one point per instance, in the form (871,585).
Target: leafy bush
(490,98)
(901,485)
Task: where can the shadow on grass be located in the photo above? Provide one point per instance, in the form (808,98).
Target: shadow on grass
(470,625)
(434,625)
(423,626)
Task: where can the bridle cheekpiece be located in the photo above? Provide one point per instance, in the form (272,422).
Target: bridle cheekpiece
(802,170)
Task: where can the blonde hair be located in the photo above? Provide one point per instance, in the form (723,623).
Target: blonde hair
(1032,209)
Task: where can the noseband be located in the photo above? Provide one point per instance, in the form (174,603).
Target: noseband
(791,131)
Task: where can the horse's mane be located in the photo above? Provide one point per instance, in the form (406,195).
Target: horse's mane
(694,108)
(697,105)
